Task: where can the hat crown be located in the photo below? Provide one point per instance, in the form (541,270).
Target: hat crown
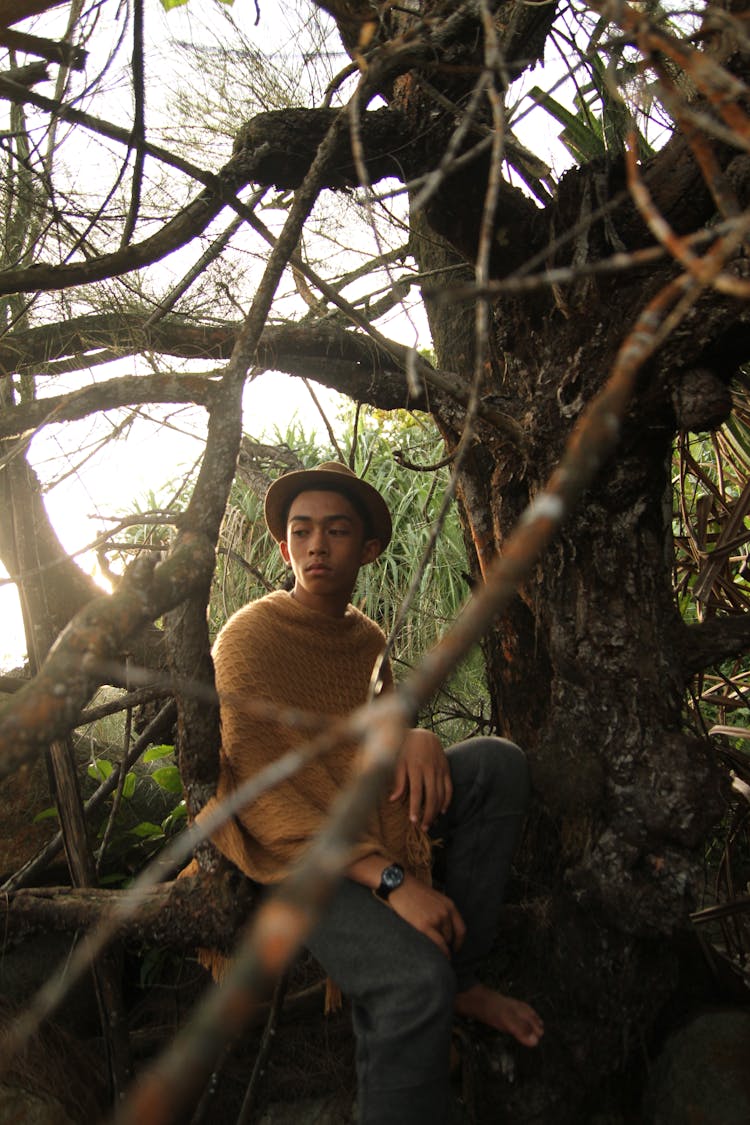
(336,467)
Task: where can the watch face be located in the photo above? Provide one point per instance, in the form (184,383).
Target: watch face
(392,877)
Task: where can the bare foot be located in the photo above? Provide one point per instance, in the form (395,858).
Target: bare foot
(503,1013)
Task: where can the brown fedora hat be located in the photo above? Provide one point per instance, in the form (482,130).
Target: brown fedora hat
(328,477)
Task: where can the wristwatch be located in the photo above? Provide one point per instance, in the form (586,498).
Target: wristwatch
(391,878)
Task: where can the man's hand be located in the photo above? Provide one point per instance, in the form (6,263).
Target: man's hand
(423,772)
(430,912)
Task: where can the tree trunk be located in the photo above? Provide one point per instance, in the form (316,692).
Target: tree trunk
(586,673)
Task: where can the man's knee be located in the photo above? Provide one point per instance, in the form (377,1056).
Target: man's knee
(498,767)
(510,769)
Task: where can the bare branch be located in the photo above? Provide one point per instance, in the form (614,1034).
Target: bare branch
(190,912)
(713,640)
(126,391)
(63,53)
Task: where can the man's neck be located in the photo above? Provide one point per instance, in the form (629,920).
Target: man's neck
(331,607)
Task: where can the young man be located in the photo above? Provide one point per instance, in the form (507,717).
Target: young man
(404,952)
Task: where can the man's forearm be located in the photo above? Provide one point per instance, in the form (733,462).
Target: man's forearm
(368,869)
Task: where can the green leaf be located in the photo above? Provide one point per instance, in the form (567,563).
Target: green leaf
(128,788)
(167,5)
(157,752)
(178,813)
(147,829)
(46,814)
(168,777)
(100,769)
(582,137)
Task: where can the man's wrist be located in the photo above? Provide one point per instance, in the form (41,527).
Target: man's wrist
(391,878)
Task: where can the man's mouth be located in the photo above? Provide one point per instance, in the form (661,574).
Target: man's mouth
(317,568)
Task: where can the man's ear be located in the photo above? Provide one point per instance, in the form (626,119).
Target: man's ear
(285,552)
(370,551)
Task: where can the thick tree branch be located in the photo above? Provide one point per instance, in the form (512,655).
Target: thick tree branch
(366,369)
(63,53)
(26,76)
(127,391)
(177,232)
(289,138)
(282,144)
(13,11)
(190,912)
(293,345)
(348,361)
(33,554)
(713,640)
(276,147)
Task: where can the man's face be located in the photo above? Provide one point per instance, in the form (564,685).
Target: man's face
(325,546)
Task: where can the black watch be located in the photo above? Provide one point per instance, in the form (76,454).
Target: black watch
(391,878)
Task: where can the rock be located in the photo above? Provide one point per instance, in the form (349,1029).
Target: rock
(703,1073)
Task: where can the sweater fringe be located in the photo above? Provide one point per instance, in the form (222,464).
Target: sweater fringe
(419,846)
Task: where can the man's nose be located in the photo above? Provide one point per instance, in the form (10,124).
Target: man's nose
(316,544)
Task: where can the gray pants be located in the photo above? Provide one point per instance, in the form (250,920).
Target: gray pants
(400,985)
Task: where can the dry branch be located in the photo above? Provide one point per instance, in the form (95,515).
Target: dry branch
(190,912)
(712,641)
(13,11)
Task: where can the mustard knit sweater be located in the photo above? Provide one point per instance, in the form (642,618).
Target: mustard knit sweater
(278,650)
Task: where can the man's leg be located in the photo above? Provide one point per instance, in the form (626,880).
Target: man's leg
(480,831)
(402,990)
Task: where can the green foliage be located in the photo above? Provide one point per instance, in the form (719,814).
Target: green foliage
(581,135)
(133,837)
(168,5)
(156,753)
(100,769)
(168,777)
(609,103)
(587,134)
(711,523)
(49,813)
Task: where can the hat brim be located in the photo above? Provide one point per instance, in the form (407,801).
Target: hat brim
(334,479)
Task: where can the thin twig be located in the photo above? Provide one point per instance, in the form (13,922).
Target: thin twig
(264,1050)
